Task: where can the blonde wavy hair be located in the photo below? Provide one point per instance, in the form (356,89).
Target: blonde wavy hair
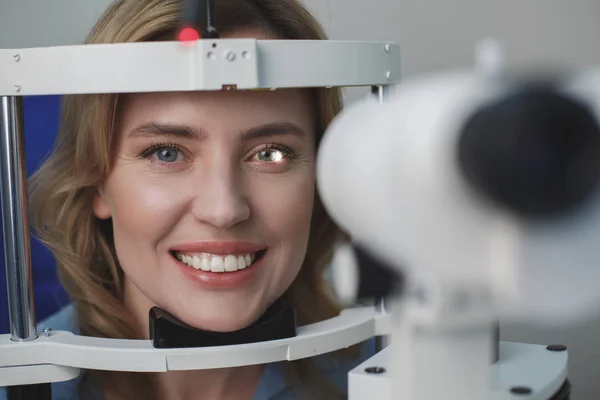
(63,189)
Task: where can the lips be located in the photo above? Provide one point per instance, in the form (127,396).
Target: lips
(209,262)
(221,265)
(218,257)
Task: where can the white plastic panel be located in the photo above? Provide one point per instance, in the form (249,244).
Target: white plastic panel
(128,67)
(363,385)
(34,374)
(63,348)
(543,371)
(202,65)
(529,365)
(226,63)
(328,63)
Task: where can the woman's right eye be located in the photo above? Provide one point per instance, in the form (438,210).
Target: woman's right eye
(163,154)
(168,154)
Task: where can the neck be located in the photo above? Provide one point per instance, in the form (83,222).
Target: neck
(219,384)
(222,384)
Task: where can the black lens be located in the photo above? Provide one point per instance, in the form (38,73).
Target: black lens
(536,152)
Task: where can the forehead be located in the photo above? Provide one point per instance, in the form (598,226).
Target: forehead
(218,108)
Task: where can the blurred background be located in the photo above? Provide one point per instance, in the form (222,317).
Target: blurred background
(434,35)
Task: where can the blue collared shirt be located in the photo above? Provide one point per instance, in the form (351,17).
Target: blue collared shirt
(272,385)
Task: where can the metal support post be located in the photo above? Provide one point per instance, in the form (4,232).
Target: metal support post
(17,246)
(382,93)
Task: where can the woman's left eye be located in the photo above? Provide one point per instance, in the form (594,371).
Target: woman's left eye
(270,155)
(273,154)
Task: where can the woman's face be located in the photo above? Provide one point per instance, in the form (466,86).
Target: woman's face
(211,197)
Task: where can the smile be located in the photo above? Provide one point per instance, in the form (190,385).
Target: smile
(220,263)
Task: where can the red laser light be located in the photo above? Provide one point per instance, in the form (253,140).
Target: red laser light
(188,35)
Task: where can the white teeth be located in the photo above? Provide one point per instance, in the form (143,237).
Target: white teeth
(230,263)
(196,262)
(205,264)
(215,263)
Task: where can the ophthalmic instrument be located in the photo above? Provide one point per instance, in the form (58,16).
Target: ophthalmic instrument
(470,197)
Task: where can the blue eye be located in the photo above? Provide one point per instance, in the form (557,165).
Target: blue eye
(167,154)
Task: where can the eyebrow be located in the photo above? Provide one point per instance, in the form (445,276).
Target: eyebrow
(183,131)
(152,129)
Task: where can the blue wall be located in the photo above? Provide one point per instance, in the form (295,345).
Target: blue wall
(41,124)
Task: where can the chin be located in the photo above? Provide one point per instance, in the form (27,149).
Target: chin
(221,323)
(218,314)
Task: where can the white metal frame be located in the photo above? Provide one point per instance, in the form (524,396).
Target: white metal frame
(65,350)
(59,356)
(202,65)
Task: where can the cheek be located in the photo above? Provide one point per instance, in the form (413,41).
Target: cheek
(286,210)
(143,209)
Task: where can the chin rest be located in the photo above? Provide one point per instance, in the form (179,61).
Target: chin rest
(166,331)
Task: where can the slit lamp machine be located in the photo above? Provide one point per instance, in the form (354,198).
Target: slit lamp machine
(470,196)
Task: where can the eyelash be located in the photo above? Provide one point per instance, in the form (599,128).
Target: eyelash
(287,152)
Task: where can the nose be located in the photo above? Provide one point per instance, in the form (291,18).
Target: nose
(220,201)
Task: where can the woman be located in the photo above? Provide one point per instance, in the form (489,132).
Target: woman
(203,204)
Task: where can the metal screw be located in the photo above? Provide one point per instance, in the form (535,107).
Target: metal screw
(47,332)
(375,370)
(17,57)
(230,56)
(17,88)
(387,48)
(388,74)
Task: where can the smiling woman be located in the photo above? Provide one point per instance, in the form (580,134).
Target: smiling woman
(199,181)
(203,204)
